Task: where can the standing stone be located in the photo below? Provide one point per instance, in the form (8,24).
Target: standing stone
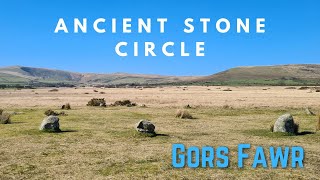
(145,126)
(284,123)
(50,123)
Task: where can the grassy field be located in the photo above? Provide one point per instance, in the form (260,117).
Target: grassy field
(101,143)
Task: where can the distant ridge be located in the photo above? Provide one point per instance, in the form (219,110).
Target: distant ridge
(298,74)
(30,75)
(292,74)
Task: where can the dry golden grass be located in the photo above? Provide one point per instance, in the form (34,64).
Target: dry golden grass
(166,97)
(101,143)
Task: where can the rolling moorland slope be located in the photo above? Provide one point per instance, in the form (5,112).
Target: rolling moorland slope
(299,74)
(303,74)
(19,75)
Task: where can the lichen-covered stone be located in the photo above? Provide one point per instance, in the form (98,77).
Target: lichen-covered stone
(145,126)
(50,123)
(284,123)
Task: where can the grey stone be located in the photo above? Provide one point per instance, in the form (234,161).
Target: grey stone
(284,123)
(309,112)
(50,123)
(145,126)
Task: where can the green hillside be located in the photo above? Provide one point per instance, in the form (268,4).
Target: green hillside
(303,74)
(266,75)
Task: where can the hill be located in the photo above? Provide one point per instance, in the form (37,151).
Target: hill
(303,74)
(19,75)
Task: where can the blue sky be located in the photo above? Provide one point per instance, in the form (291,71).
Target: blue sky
(27,35)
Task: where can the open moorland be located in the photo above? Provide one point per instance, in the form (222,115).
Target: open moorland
(102,143)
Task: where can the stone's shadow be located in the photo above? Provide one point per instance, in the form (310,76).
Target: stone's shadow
(15,122)
(67,131)
(152,134)
(61,131)
(305,133)
(166,135)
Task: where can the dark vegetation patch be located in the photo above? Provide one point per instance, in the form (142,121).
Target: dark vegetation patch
(50,112)
(126,103)
(97,102)
(66,106)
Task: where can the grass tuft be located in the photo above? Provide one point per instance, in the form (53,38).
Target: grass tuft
(127,103)
(271,127)
(50,112)
(66,106)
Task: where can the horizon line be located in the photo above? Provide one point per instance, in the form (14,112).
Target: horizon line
(134,73)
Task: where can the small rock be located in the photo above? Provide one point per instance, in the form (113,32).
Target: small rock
(145,126)
(183,114)
(5,118)
(284,123)
(309,112)
(50,123)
